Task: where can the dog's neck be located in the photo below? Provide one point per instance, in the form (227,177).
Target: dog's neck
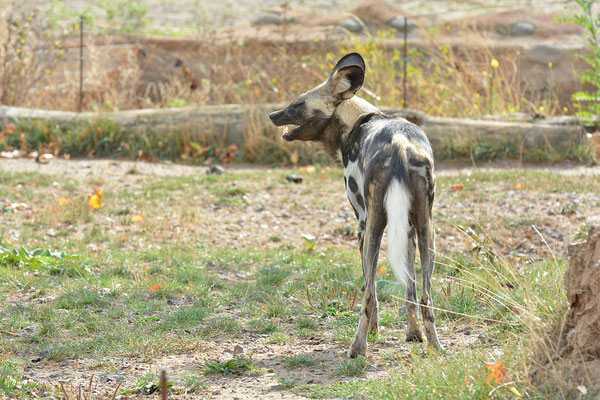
(348,111)
(342,121)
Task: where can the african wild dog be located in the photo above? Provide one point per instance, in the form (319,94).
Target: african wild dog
(388,172)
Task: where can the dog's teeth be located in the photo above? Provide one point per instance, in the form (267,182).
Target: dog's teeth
(286,129)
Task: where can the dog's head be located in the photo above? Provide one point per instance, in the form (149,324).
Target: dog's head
(310,112)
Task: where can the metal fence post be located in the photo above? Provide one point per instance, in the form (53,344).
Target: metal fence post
(80,64)
(404,101)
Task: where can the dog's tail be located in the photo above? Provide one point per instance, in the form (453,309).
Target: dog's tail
(397,205)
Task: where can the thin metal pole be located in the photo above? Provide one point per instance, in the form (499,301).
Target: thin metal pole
(80,64)
(404,102)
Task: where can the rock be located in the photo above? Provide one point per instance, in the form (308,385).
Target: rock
(29,330)
(562,120)
(115,378)
(398,24)
(43,354)
(272,19)
(237,350)
(294,178)
(522,28)
(215,169)
(352,25)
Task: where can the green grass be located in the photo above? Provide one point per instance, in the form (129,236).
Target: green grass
(230,367)
(299,361)
(352,367)
(153,295)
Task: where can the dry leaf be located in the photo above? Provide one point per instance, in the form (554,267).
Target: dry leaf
(63,201)
(456,187)
(382,269)
(156,286)
(307,168)
(138,218)
(516,392)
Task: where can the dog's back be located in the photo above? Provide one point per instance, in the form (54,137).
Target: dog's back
(391,160)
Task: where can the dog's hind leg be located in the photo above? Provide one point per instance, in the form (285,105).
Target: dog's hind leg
(376,221)
(413,331)
(426,236)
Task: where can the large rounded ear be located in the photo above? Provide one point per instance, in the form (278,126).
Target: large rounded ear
(348,75)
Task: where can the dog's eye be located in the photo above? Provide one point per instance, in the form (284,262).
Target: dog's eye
(298,105)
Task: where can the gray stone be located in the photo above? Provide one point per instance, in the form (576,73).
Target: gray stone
(43,354)
(215,169)
(523,28)
(29,330)
(294,178)
(398,24)
(272,19)
(562,120)
(352,25)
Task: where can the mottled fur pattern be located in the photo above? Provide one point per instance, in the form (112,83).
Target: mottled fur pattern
(389,178)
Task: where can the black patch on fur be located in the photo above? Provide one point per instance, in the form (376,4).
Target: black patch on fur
(345,182)
(352,146)
(360,201)
(361,225)
(353,155)
(352,184)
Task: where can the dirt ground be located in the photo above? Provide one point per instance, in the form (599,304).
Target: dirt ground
(292,210)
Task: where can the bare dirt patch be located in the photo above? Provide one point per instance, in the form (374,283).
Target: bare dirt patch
(269,211)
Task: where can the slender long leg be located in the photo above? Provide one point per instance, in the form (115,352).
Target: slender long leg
(376,221)
(427,250)
(413,331)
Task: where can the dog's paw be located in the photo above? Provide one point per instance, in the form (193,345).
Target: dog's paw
(436,345)
(357,350)
(415,336)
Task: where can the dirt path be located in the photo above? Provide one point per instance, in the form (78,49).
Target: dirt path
(119,168)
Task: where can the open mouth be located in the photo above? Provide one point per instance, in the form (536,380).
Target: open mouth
(288,130)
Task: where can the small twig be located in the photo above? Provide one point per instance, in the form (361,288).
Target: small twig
(353,300)
(163,384)
(9,333)
(456,313)
(546,243)
(511,383)
(312,307)
(64,391)
(90,385)
(115,392)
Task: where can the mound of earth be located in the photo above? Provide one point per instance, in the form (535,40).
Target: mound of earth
(518,24)
(582,334)
(575,362)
